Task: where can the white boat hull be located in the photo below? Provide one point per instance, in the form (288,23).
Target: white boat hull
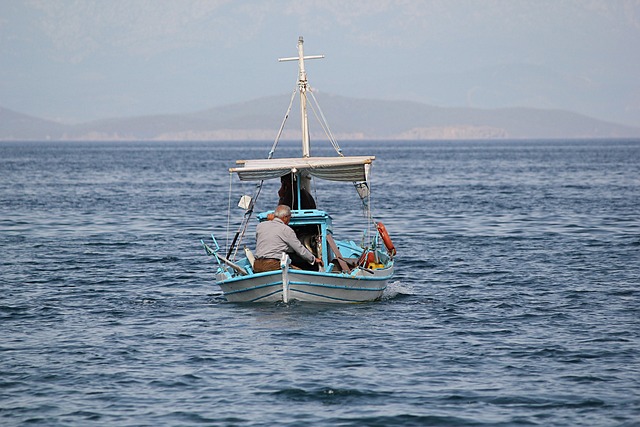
(307,286)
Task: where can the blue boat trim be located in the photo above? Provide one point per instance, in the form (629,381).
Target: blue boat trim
(242,278)
(323,296)
(339,275)
(305,272)
(253,288)
(318,285)
(279,291)
(321,285)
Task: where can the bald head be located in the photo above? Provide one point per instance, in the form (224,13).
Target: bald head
(283,212)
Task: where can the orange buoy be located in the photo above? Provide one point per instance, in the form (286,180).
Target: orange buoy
(382,230)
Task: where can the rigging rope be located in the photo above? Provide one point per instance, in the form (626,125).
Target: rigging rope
(229,208)
(366,199)
(247,215)
(245,220)
(286,116)
(325,124)
(366,204)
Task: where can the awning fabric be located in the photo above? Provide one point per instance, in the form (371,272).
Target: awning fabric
(354,168)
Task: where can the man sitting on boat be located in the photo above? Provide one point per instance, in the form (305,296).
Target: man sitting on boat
(275,237)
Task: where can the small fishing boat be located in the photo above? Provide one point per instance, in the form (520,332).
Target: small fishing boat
(350,272)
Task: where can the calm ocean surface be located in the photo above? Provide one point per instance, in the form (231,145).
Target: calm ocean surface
(516,299)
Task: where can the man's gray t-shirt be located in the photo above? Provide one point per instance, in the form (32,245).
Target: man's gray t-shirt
(274,237)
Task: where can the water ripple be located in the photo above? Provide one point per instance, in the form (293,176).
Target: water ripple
(515,300)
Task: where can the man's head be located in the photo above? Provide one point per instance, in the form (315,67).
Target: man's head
(284,213)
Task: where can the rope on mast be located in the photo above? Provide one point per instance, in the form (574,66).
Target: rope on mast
(324,124)
(284,121)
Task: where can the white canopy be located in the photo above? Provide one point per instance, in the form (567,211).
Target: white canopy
(354,168)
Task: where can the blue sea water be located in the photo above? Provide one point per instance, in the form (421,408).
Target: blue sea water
(516,299)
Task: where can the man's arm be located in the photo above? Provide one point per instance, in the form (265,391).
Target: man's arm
(292,240)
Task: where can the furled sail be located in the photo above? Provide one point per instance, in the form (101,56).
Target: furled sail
(353,168)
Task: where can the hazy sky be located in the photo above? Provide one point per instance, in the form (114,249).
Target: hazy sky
(75,60)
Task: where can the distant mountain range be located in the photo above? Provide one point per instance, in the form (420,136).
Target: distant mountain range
(348,119)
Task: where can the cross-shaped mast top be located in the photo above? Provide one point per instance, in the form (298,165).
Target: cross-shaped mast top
(303,86)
